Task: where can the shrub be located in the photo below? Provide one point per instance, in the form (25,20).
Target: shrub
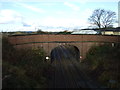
(23,68)
(104,63)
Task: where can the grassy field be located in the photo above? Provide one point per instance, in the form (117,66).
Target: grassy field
(24,68)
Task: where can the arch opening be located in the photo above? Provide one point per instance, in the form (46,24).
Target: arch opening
(65,53)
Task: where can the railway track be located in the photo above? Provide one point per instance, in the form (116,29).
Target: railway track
(67,73)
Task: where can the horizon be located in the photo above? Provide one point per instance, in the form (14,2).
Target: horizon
(50,16)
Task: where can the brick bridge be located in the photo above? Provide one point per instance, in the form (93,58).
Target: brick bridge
(49,42)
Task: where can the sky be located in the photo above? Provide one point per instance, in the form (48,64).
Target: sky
(52,15)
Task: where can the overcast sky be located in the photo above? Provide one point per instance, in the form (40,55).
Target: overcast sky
(20,16)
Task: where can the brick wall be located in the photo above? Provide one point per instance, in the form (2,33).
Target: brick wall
(83,42)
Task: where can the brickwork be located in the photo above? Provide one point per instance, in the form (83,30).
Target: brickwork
(82,42)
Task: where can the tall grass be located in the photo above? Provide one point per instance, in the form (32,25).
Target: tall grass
(23,68)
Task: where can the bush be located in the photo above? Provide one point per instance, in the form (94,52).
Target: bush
(24,68)
(104,63)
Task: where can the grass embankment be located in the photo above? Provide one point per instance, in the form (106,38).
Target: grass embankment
(102,64)
(24,68)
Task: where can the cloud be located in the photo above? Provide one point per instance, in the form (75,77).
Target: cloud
(65,22)
(31,8)
(9,16)
(61,12)
(74,7)
(87,13)
(26,24)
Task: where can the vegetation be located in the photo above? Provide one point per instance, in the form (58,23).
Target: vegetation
(41,32)
(103,64)
(102,18)
(19,33)
(64,32)
(24,68)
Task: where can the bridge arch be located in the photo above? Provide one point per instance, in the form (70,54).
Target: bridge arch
(62,51)
(49,42)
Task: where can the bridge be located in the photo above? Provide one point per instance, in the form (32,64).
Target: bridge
(48,42)
(65,50)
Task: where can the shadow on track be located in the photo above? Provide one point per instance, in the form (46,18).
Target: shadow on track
(65,60)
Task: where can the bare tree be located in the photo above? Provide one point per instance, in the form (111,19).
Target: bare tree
(102,18)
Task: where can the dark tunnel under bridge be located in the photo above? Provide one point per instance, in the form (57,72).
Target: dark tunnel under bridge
(67,73)
(65,59)
(63,52)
